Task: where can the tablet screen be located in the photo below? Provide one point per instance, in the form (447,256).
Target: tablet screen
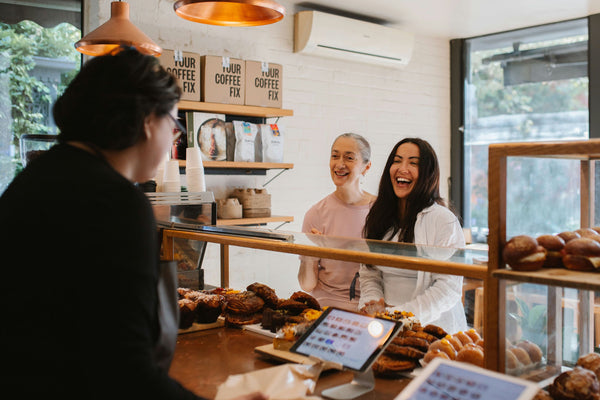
(351,339)
(445,379)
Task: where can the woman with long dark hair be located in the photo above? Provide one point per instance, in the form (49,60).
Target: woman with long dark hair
(409,209)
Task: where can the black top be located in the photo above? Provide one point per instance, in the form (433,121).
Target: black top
(78,283)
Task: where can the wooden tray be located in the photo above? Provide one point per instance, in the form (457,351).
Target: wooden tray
(286,356)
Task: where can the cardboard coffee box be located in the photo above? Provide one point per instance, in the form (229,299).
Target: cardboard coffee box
(263,84)
(223,80)
(186,67)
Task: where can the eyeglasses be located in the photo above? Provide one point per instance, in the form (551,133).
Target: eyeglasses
(179,129)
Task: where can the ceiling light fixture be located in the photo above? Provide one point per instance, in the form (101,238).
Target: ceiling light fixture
(117,31)
(230,12)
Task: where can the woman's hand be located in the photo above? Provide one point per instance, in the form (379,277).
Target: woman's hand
(373,306)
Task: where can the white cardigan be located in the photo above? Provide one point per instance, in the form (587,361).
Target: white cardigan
(437,297)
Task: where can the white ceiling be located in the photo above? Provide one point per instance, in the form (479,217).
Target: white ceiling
(456,18)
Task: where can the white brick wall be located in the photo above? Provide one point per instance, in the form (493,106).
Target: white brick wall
(329,97)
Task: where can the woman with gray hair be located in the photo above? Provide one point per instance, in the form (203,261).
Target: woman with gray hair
(341,213)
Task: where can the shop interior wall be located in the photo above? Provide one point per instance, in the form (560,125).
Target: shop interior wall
(328,97)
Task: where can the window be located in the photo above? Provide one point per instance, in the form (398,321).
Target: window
(37,62)
(525,85)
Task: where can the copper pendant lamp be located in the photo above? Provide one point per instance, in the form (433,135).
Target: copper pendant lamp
(230,12)
(117,31)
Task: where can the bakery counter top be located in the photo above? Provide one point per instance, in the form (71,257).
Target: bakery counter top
(204,359)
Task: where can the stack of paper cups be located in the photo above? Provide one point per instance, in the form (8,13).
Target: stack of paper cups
(160,173)
(194,170)
(172,180)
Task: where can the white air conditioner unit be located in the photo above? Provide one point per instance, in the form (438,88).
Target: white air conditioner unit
(329,35)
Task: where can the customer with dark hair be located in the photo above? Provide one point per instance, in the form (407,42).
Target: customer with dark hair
(341,213)
(409,209)
(79,295)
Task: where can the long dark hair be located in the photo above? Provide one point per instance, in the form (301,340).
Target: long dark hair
(385,214)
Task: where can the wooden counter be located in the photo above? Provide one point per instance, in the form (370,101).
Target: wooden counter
(203,360)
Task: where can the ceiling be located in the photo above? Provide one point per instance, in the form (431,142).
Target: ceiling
(455,18)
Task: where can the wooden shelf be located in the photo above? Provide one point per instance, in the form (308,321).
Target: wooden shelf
(253,221)
(554,277)
(241,165)
(235,109)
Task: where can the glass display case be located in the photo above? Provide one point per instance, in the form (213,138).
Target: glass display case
(553,308)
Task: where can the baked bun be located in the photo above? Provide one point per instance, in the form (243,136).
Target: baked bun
(457,344)
(522,356)
(582,254)
(512,362)
(553,245)
(473,334)
(431,354)
(307,299)
(264,292)
(463,337)
(567,236)
(588,233)
(523,253)
(534,351)
(445,346)
(590,361)
(472,354)
(576,384)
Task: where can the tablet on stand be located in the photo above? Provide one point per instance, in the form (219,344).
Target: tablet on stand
(351,340)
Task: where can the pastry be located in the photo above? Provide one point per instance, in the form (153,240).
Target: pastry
(435,330)
(307,299)
(567,236)
(291,306)
(463,337)
(553,245)
(590,361)
(457,344)
(534,351)
(576,384)
(445,346)
(431,354)
(521,355)
(523,253)
(237,320)
(473,334)
(386,366)
(588,233)
(244,303)
(187,313)
(472,354)
(420,334)
(412,341)
(512,362)
(264,292)
(404,352)
(582,254)
(208,307)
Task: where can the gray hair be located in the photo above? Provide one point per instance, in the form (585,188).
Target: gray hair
(363,145)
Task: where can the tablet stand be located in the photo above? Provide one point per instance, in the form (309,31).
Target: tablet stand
(362,383)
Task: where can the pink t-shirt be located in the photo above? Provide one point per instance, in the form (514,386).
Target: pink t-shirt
(333,217)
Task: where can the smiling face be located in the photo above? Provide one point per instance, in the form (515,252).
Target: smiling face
(404,171)
(346,164)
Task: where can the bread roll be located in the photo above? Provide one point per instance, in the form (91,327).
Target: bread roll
(582,254)
(463,337)
(553,245)
(512,362)
(472,354)
(522,356)
(567,236)
(431,354)
(576,384)
(534,351)
(523,253)
(445,346)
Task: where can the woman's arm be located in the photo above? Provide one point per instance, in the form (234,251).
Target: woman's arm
(371,285)
(308,274)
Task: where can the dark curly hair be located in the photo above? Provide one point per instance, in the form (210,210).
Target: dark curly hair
(107,102)
(385,214)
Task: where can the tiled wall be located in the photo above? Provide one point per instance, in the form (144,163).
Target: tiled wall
(329,97)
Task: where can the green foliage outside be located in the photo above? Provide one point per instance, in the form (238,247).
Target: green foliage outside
(19,43)
(525,107)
